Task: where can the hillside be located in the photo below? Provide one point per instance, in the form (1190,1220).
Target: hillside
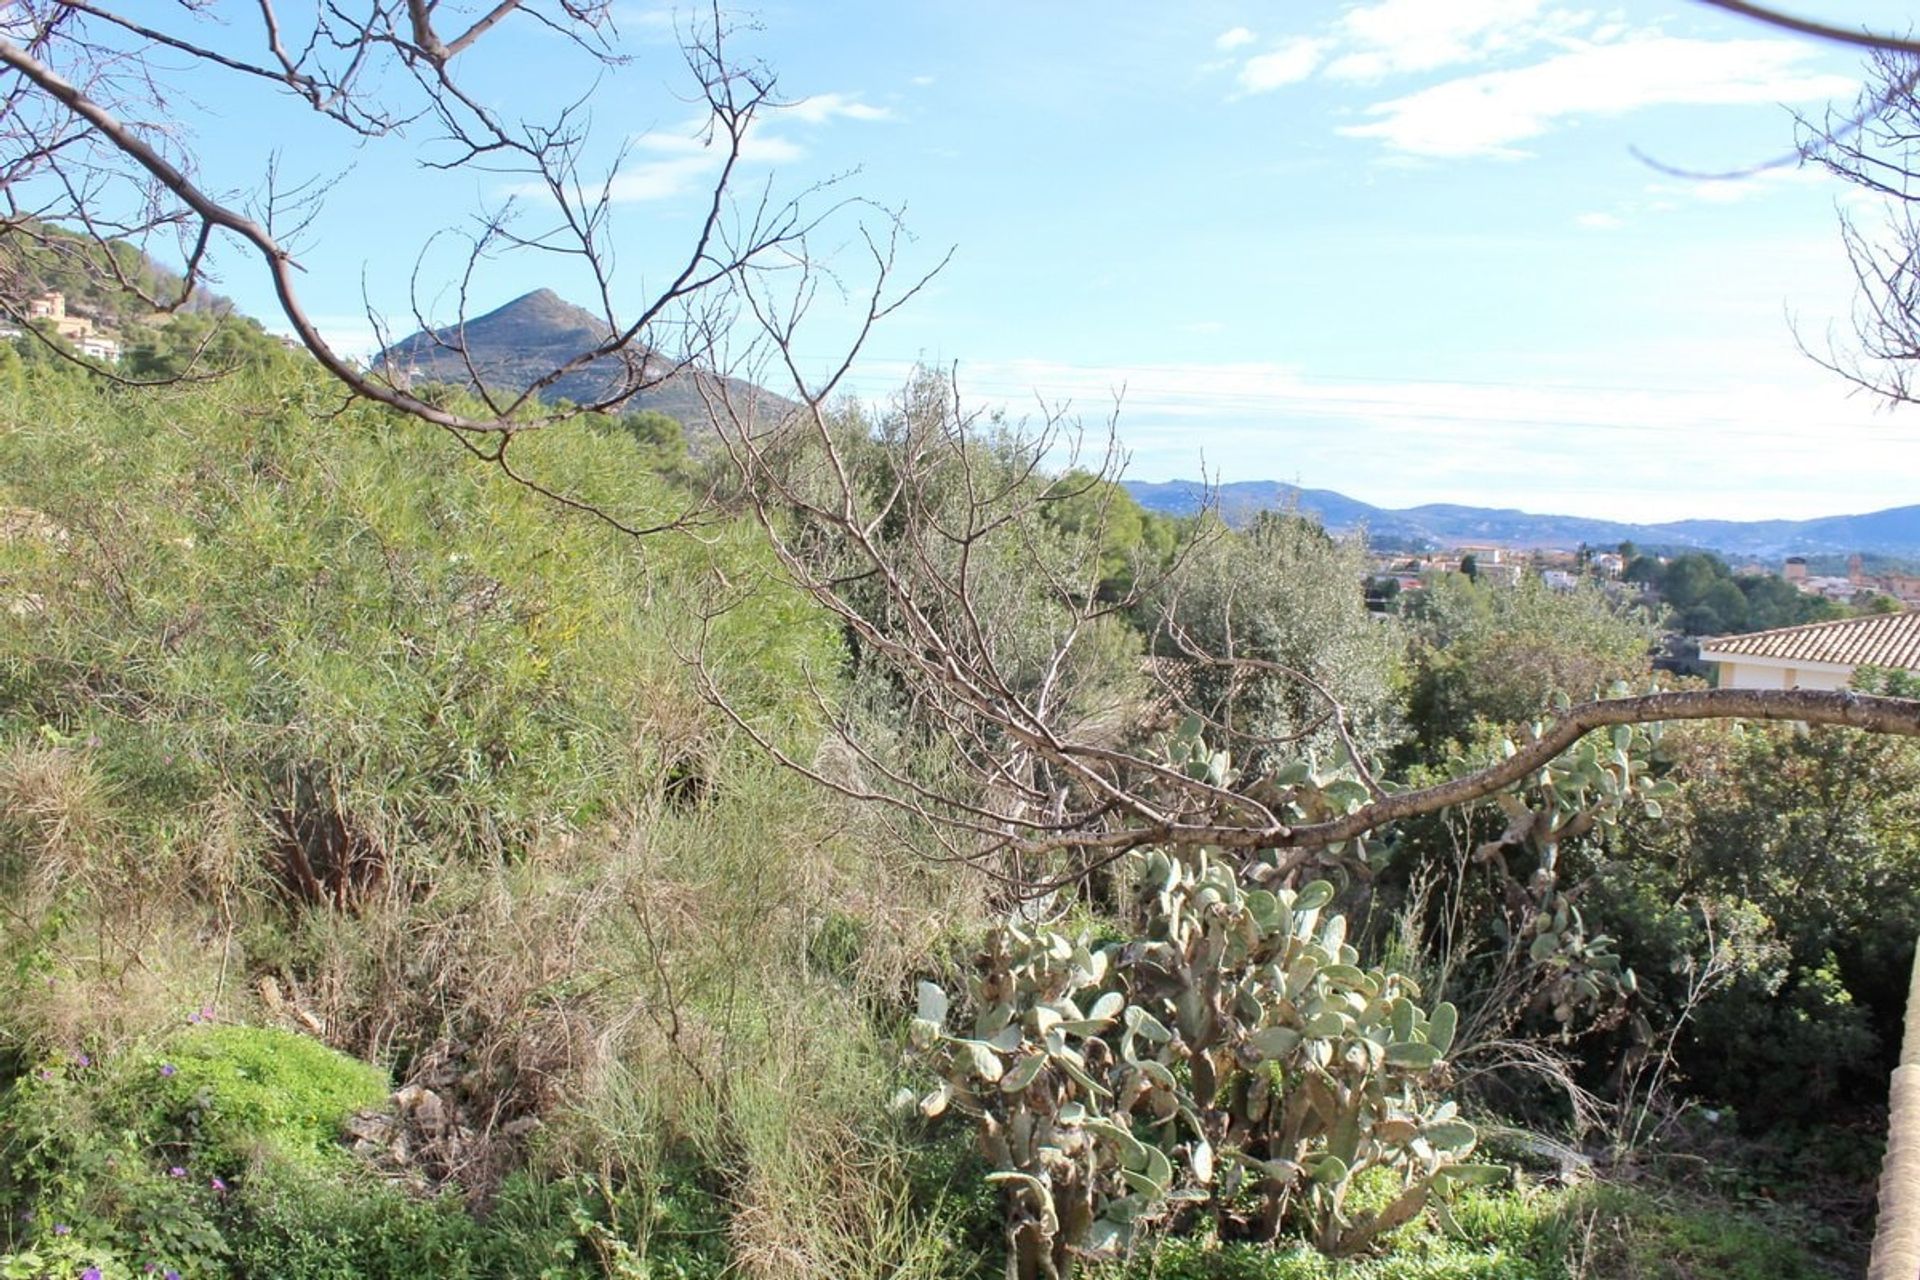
(512,346)
(1893,532)
(39,257)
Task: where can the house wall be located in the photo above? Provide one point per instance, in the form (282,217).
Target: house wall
(1737,674)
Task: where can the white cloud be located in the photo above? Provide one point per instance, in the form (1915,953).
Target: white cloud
(824,107)
(690,158)
(1599,222)
(1487,114)
(660,179)
(1395,36)
(1290,63)
(923,81)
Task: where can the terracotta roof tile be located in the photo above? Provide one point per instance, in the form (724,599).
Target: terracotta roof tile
(1889,640)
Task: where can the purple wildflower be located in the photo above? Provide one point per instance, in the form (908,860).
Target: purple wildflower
(82,1060)
(62,1229)
(176,1172)
(167,1069)
(218,1184)
(170,1274)
(91,1273)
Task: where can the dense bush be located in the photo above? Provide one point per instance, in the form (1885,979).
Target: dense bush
(1784,887)
(325,735)
(1494,657)
(1283,591)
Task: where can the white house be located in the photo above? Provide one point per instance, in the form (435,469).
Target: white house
(1559,580)
(1819,655)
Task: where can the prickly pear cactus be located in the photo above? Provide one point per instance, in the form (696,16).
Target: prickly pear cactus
(1234,1052)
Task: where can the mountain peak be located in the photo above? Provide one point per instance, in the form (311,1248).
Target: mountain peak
(515,344)
(542,314)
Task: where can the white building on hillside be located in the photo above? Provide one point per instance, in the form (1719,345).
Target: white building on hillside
(1819,655)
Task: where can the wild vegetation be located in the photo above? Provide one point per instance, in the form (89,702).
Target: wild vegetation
(400,880)
(1709,599)
(859,846)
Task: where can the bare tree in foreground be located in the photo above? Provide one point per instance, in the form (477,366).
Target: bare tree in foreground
(910,544)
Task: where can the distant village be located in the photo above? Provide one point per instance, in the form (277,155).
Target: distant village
(1561,570)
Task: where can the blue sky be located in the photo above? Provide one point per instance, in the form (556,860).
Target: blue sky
(1399,248)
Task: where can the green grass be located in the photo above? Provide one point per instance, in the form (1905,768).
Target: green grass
(1591,1232)
(243,1091)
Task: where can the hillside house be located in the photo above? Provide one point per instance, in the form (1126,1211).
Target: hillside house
(1818,655)
(89,339)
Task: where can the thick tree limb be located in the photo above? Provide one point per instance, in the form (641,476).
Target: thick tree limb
(1858,37)
(1869,712)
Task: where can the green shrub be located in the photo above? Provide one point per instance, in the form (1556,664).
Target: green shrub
(295,1224)
(1591,1232)
(247,1091)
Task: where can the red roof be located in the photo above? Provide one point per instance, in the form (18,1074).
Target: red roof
(1890,640)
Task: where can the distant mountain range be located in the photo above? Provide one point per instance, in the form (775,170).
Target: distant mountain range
(512,346)
(1894,532)
(521,341)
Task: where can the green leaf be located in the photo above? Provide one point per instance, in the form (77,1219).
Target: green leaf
(1267,912)
(1330,1171)
(986,1063)
(1159,1168)
(1345,975)
(1474,1174)
(1274,1042)
(1413,1055)
(1081,1078)
(1442,1023)
(1451,1135)
(1327,1024)
(1313,896)
(1142,1023)
(1201,1158)
(1023,1073)
(1133,1152)
(1400,1018)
